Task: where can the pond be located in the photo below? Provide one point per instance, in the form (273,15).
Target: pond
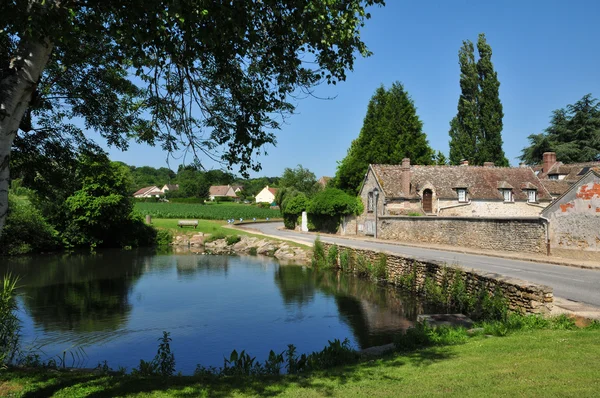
(114,306)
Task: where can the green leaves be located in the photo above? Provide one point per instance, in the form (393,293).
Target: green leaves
(574,134)
(391,131)
(475,132)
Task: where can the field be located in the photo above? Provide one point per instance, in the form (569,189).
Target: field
(221,211)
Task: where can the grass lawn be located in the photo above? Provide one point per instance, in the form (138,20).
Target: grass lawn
(537,363)
(210,227)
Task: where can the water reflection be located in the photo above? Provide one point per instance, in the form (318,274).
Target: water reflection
(116,304)
(374,313)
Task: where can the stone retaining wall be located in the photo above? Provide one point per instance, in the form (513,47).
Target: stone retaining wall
(522,296)
(501,234)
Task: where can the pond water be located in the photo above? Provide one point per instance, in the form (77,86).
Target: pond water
(115,305)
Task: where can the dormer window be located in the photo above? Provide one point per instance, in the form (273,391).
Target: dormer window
(507,194)
(531,196)
(462,194)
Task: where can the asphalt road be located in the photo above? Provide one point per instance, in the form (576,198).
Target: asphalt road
(568,282)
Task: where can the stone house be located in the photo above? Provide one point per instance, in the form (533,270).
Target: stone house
(449,191)
(559,177)
(220,191)
(574,219)
(267,195)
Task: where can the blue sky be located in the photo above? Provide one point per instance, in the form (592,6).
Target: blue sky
(546,54)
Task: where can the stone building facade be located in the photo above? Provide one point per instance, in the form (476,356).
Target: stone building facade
(575,219)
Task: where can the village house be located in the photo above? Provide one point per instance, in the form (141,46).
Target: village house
(149,192)
(574,219)
(169,187)
(323,181)
(467,191)
(267,195)
(559,177)
(221,191)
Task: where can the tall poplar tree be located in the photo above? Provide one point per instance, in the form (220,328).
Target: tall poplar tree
(391,131)
(490,109)
(464,127)
(475,132)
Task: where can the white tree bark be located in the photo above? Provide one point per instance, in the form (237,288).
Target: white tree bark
(15,94)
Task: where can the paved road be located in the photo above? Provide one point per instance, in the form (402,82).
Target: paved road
(568,282)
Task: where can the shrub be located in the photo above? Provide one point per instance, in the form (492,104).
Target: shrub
(26,230)
(232,239)
(318,258)
(215,236)
(332,257)
(363,266)
(221,199)
(164,237)
(380,268)
(252,251)
(345,260)
(328,206)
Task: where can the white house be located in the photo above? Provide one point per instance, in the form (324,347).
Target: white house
(267,195)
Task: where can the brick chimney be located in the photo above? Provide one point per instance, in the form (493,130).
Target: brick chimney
(406,176)
(488,164)
(464,162)
(549,160)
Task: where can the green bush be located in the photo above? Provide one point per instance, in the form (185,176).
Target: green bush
(328,206)
(164,237)
(332,257)
(380,268)
(346,260)
(232,239)
(318,259)
(222,199)
(215,236)
(26,230)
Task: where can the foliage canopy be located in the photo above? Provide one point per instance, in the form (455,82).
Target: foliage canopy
(391,131)
(574,134)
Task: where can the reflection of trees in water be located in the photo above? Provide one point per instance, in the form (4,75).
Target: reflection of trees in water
(296,284)
(79,292)
(374,312)
(191,265)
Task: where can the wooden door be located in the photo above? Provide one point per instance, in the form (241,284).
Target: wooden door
(427,201)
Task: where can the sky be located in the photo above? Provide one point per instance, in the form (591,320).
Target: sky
(546,54)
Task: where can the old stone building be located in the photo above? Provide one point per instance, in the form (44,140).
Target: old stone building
(575,219)
(467,191)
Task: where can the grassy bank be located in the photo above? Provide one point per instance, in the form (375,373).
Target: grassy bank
(527,363)
(213,227)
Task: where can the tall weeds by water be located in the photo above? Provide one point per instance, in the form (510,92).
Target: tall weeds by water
(10,327)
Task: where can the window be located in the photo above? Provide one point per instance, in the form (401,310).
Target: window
(553,177)
(507,194)
(370,202)
(531,195)
(462,195)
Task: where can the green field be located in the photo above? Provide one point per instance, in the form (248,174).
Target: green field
(221,211)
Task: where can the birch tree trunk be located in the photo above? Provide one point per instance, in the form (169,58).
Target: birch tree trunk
(15,94)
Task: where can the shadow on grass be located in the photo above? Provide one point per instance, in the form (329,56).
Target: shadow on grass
(323,382)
